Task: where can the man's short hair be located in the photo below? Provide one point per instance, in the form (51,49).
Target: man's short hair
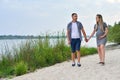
(74,14)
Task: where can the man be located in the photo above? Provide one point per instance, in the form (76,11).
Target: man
(74,37)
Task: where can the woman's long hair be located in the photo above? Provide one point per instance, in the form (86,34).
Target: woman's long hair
(100,23)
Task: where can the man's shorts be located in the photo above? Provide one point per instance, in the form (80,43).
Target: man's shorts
(75,45)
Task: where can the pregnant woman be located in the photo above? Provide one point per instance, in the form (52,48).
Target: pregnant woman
(101,30)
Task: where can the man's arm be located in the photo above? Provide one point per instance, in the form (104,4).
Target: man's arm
(84,34)
(68,36)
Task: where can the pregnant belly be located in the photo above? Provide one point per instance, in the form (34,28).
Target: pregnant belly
(98,34)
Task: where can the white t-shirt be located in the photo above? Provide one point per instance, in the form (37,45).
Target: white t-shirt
(75,33)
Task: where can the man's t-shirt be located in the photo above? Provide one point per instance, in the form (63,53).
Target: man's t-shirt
(79,27)
(75,33)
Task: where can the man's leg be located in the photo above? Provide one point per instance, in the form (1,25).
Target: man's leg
(73,57)
(78,56)
(78,44)
(73,52)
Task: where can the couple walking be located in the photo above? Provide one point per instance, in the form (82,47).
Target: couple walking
(74,37)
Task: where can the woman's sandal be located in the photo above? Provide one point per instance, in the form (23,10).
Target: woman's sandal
(100,63)
(103,63)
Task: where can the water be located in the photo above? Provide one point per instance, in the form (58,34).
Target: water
(17,42)
(10,44)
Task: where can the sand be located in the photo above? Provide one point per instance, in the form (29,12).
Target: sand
(89,70)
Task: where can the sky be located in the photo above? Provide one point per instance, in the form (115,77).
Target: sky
(38,17)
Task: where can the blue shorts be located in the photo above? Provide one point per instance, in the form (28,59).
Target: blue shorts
(75,45)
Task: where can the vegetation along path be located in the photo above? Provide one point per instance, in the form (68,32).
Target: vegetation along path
(89,70)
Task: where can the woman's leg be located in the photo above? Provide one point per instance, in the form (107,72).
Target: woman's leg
(99,52)
(102,50)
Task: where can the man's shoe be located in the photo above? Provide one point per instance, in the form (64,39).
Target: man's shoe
(78,64)
(73,64)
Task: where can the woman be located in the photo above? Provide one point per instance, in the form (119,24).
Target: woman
(101,30)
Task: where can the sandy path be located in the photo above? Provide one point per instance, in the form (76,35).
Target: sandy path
(89,70)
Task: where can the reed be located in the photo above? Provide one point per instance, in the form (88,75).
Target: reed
(34,54)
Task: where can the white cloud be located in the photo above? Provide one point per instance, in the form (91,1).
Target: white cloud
(113,1)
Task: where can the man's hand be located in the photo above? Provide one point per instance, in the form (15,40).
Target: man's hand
(69,42)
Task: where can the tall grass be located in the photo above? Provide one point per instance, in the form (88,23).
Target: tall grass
(34,54)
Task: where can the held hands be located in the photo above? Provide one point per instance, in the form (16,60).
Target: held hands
(86,40)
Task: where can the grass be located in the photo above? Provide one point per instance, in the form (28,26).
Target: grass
(21,68)
(88,51)
(35,54)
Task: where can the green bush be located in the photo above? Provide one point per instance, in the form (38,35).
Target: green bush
(114,33)
(6,71)
(0,74)
(40,61)
(58,58)
(21,68)
(49,58)
(87,51)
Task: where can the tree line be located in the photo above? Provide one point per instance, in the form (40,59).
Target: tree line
(114,33)
(28,37)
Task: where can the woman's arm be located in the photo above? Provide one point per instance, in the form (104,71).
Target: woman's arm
(105,34)
(92,34)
